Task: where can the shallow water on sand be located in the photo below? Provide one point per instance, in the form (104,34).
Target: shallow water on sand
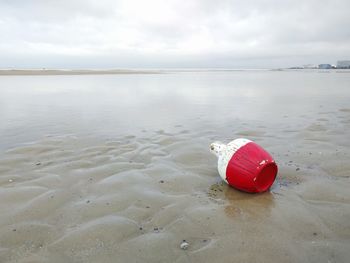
(117,169)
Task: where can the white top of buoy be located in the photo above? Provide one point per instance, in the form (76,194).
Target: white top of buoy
(225,153)
(217,148)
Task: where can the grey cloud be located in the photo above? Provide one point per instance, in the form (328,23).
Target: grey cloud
(173,33)
(53,10)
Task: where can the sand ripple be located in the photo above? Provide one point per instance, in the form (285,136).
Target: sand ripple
(134,199)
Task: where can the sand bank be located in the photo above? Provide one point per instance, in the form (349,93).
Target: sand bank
(43,72)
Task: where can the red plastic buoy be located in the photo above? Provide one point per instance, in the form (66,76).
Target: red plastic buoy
(245,165)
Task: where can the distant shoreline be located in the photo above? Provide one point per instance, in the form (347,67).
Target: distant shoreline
(52,72)
(43,72)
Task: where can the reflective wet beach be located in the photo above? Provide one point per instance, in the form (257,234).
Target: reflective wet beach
(117,168)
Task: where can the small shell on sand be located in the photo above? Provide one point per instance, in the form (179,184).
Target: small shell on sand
(184,245)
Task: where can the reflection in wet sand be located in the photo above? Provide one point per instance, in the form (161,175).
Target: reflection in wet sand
(240,205)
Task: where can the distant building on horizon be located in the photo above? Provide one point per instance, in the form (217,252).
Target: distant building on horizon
(343,64)
(324,66)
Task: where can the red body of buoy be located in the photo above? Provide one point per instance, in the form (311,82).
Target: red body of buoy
(245,165)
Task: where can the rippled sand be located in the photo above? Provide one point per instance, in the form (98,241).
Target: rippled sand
(136,198)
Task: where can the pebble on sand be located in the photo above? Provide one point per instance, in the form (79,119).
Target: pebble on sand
(184,245)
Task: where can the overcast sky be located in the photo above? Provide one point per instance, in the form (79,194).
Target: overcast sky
(172,33)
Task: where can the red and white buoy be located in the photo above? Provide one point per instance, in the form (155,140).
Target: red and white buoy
(244,165)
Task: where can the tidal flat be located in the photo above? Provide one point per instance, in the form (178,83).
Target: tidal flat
(117,168)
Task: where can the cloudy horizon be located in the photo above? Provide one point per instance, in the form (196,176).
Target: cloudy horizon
(172,33)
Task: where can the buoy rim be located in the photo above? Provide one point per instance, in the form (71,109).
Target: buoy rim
(266,176)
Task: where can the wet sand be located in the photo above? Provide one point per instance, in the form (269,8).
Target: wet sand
(134,197)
